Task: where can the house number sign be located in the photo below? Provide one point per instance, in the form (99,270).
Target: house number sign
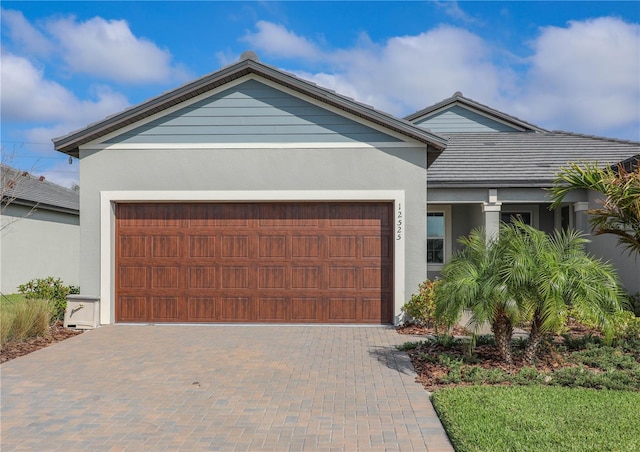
(399,222)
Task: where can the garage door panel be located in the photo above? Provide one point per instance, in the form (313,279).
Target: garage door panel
(272,277)
(273,309)
(235,309)
(202,246)
(234,277)
(376,278)
(342,277)
(202,277)
(132,309)
(165,277)
(250,262)
(133,246)
(305,246)
(201,308)
(272,246)
(165,246)
(164,308)
(132,277)
(342,309)
(376,247)
(307,277)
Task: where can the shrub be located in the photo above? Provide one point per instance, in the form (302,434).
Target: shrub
(626,326)
(634,303)
(26,319)
(421,308)
(52,289)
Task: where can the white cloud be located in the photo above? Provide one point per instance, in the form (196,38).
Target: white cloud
(108,49)
(401,75)
(274,39)
(585,77)
(28,96)
(24,34)
(453,10)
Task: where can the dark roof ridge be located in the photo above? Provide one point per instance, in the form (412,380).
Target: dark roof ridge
(458,97)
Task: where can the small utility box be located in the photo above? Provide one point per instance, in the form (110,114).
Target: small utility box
(83,312)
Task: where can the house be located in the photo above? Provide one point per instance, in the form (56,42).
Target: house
(497,167)
(251,195)
(40,230)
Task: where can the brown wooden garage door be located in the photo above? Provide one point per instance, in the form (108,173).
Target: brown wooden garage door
(254,262)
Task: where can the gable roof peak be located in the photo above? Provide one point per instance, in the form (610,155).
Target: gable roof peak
(470,104)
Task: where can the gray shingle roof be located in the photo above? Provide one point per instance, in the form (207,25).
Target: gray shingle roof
(24,188)
(459,99)
(70,143)
(517,159)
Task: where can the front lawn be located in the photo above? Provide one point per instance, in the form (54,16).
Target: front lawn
(539,418)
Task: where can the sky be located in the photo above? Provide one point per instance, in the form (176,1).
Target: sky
(572,66)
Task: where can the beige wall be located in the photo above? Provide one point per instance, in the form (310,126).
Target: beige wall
(38,244)
(330,168)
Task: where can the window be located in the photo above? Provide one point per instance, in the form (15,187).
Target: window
(435,237)
(511,217)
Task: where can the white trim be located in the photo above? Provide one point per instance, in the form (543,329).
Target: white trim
(448,242)
(107,226)
(195,146)
(264,81)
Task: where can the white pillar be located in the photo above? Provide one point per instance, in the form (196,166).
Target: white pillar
(582,216)
(491,212)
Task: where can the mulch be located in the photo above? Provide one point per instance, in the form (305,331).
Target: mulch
(57,333)
(430,371)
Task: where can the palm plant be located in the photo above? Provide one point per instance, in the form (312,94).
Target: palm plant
(549,274)
(620,210)
(525,274)
(472,281)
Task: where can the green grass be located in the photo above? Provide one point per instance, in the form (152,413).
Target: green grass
(24,319)
(539,418)
(12,298)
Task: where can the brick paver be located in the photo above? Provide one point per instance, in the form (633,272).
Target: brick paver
(219,387)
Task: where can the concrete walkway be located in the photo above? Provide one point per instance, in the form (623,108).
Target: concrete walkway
(219,387)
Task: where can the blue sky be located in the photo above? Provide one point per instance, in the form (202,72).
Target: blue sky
(571,66)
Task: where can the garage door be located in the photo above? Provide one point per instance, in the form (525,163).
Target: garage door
(254,262)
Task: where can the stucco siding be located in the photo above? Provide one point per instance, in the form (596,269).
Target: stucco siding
(38,244)
(459,119)
(256,170)
(252,112)
(606,247)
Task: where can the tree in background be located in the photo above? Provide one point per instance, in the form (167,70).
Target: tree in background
(620,186)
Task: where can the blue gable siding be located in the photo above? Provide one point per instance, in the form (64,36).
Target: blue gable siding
(252,112)
(460,119)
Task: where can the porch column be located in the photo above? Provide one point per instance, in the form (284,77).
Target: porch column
(491,211)
(582,216)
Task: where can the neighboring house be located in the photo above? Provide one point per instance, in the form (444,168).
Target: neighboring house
(250,195)
(40,230)
(497,167)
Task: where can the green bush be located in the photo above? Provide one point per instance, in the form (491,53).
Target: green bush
(24,320)
(421,308)
(626,326)
(52,289)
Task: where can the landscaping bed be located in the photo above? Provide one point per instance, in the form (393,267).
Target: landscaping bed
(578,358)
(56,333)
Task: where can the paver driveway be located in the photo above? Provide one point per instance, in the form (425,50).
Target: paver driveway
(220,387)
